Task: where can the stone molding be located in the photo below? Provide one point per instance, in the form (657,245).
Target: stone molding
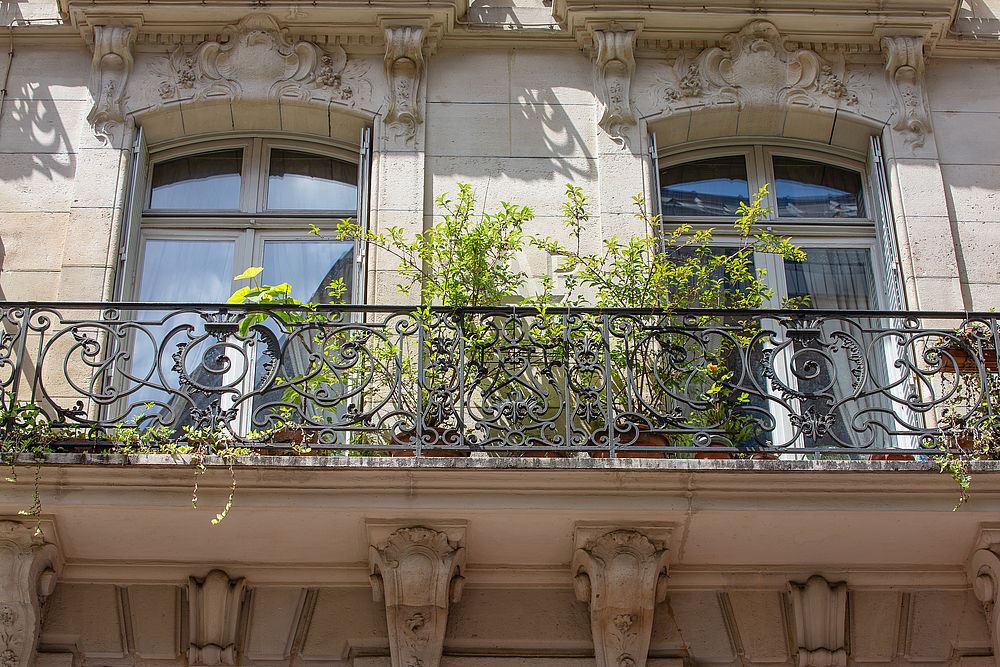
(404,68)
(417,572)
(614,66)
(754,67)
(819,609)
(28,569)
(622,575)
(110,70)
(256,59)
(214,612)
(904,66)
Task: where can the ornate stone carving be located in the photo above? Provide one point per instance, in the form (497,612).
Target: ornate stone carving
(820,612)
(755,67)
(112,65)
(28,566)
(404,67)
(417,572)
(904,65)
(984,575)
(614,63)
(214,613)
(257,59)
(622,574)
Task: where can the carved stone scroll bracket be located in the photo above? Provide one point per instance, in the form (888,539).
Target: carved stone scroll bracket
(614,66)
(904,65)
(215,603)
(404,68)
(984,576)
(29,566)
(622,574)
(112,65)
(820,612)
(417,572)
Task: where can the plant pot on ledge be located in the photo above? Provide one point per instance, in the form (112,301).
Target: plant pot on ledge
(965,360)
(636,435)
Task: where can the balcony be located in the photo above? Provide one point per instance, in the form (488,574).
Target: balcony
(514,382)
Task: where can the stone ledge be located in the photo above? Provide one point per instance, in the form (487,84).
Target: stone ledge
(493,463)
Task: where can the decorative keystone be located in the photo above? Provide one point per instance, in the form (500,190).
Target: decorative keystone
(614,63)
(417,572)
(820,612)
(215,603)
(112,65)
(28,570)
(622,574)
(904,66)
(404,66)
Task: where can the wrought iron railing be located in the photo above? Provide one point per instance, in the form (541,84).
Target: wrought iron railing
(509,381)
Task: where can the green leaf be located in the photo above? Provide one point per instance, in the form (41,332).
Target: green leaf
(239,295)
(251,272)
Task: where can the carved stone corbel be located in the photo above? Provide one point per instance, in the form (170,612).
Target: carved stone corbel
(214,613)
(904,65)
(820,612)
(404,67)
(614,64)
(984,575)
(111,68)
(28,570)
(622,574)
(417,572)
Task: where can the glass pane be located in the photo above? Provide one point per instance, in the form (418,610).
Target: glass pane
(175,344)
(814,190)
(833,279)
(309,267)
(304,182)
(210,181)
(715,186)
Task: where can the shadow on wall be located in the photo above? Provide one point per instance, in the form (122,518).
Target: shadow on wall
(30,125)
(976,17)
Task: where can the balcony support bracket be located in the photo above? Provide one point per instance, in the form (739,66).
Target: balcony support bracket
(29,564)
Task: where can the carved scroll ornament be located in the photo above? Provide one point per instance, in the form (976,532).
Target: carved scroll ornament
(904,65)
(112,65)
(820,612)
(417,572)
(622,575)
(404,67)
(27,577)
(256,59)
(754,67)
(214,616)
(615,64)
(984,575)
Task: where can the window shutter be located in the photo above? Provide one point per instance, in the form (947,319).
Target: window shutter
(131,215)
(654,164)
(884,225)
(361,215)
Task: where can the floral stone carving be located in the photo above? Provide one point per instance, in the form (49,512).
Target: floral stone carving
(214,603)
(754,67)
(28,567)
(904,65)
(417,572)
(404,67)
(622,574)
(257,59)
(112,65)
(615,65)
(820,612)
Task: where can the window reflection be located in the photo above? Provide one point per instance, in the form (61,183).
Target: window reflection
(712,187)
(304,182)
(808,189)
(210,181)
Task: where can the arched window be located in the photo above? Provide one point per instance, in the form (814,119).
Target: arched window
(821,200)
(208,211)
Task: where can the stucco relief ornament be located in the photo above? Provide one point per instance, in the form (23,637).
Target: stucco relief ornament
(417,572)
(614,66)
(257,59)
(111,67)
(622,575)
(754,67)
(904,64)
(28,567)
(404,67)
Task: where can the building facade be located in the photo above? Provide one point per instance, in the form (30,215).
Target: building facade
(151,151)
